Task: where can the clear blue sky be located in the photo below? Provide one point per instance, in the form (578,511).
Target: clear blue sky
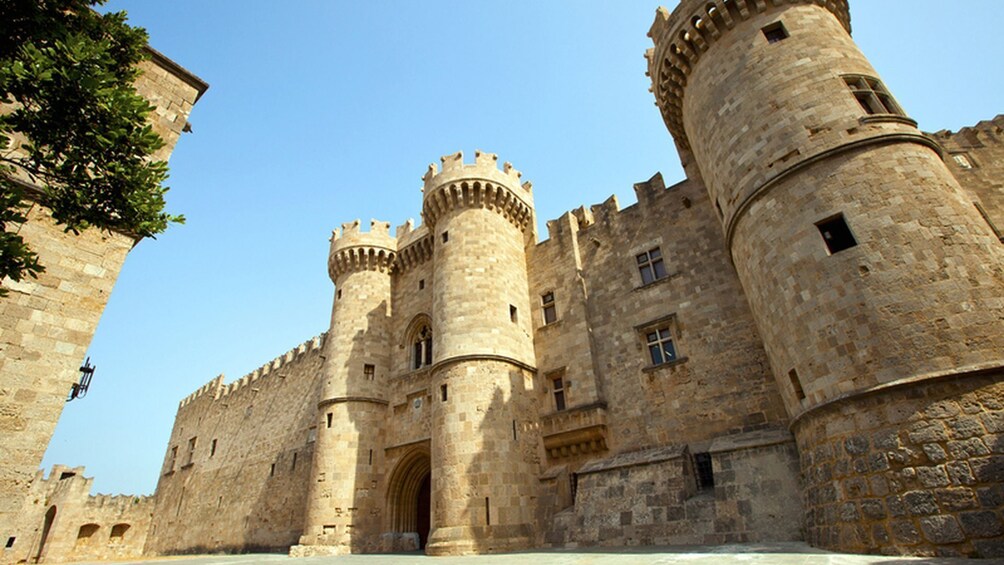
(321,112)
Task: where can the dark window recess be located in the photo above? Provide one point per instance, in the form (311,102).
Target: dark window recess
(872,95)
(514,430)
(446,236)
(705,472)
(421,284)
(371,457)
(775,32)
(660,346)
(293,466)
(212,448)
(558,386)
(67,475)
(338,294)
(271,471)
(442,393)
(329,419)
(369,371)
(488,512)
(10,542)
(796,384)
(550,313)
(836,234)
(422,354)
(513,314)
(573,484)
(650,266)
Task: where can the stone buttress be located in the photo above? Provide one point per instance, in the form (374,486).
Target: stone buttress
(344,505)
(484,450)
(874,281)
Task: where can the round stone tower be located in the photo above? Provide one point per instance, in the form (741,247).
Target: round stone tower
(874,281)
(344,507)
(484,452)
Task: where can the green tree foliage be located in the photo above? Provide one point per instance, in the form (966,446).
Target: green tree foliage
(73,131)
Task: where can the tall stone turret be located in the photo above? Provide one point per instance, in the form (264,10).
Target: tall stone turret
(344,507)
(875,283)
(484,452)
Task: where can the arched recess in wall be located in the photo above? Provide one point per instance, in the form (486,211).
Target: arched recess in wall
(118,533)
(409,494)
(418,342)
(85,535)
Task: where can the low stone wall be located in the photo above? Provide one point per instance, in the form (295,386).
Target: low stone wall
(914,469)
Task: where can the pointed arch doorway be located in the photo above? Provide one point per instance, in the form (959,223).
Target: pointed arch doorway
(410,495)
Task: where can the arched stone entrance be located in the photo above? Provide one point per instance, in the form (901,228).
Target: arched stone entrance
(409,496)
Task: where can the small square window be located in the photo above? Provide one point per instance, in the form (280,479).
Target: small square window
(836,234)
(775,32)
(660,345)
(369,371)
(547,303)
(650,266)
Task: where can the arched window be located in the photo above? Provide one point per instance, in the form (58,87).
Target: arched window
(421,355)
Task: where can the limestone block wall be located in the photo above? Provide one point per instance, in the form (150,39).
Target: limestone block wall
(62,522)
(975,155)
(913,470)
(721,382)
(243,487)
(46,324)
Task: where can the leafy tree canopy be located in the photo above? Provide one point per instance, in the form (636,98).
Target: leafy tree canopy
(73,131)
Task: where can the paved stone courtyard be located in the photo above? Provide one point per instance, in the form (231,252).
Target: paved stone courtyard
(765,554)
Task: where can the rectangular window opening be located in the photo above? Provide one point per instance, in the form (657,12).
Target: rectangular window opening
(705,471)
(442,393)
(558,387)
(547,303)
(191,451)
(369,371)
(338,294)
(513,314)
(488,512)
(836,234)
(312,434)
(796,384)
(371,457)
(872,95)
(212,448)
(660,345)
(775,32)
(962,160)
(10,542)
(421,284)
(174,458)
(329,419)
(271,471)
(651,266)
(446,236)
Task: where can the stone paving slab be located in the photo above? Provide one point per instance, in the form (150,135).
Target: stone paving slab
(761,554)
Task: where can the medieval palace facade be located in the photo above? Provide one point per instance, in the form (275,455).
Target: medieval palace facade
(802,340)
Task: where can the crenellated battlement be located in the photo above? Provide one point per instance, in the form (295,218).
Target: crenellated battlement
(478,185)
(681,37)
(973,136)
(353,249)
(220,390)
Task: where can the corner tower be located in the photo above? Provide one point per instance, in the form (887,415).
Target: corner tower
(484,450)
(344,512)
(874,282)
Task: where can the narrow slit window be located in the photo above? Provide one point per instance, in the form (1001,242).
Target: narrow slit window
(293,466)
(796,384)
(488,512)
(446,236)
(371,457)
(705,471)
(514,430)
(513,314)
(547,303)
(338,294)
(10,542)
(329,419)
(421,284)
(442,393)
(775,32)
(558,388)
(191,451)
(369,371)
(212,448)
(271,471)
(836,234)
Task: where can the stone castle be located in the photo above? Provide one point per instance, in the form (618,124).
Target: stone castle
(803,340)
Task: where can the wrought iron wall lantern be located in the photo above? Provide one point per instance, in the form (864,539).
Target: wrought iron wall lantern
(79,390)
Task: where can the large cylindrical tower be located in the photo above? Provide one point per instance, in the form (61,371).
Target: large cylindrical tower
(344,506)
(874,281)
(484,452)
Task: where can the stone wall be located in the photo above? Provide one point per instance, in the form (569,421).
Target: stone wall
(62,522)
(243,486)
(975,155)
(46,323)
(913,469)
